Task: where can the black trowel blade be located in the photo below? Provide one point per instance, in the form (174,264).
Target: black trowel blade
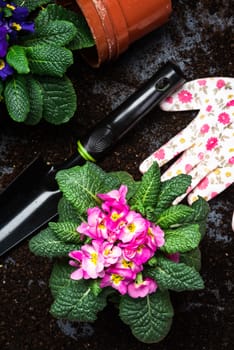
(24,212)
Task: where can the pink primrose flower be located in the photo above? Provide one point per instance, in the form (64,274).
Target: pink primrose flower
(134,226)
(220,83)
(212,142)
(224,118)
(143,254)
(93,259)
(209,108)
(155,237)
(230,103)
(116,218)
(185,96)
(79,273)
(140,290)
(231,160)
(204,129)
(160,154)
(117,279)
(96,226)
(111,253)
(114,198)
(128,265)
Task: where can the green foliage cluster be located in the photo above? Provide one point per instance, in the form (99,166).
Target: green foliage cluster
(150,317)
(39,88)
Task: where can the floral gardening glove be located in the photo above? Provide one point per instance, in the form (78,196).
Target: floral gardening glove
(207,142)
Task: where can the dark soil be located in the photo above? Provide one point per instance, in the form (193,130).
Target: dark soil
(198,39)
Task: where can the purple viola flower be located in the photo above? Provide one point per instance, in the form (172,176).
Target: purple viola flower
(3,41)
(5,69)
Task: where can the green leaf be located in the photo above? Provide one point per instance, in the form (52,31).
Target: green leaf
(31,4)
(182,239)
(201,209)
(35,95)
(74,300)
(81,184)
(59,99)
(175,215)
(192,258)
(1,89)
(49,60)
(175,276)
(60,276)
(16,58)
(83,37)
(67,212)
(66,231)
(148,189)
(149,318)
(57,32)
(46,243)
(170,190)
(16,98)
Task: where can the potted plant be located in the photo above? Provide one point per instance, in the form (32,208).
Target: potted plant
(120,240)
(36,49)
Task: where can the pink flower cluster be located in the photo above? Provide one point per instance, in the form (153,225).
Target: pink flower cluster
(120,242)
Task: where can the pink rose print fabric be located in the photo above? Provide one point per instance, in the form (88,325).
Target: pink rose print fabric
(206,145)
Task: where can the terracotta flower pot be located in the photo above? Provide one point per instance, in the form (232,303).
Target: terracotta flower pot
(115,24)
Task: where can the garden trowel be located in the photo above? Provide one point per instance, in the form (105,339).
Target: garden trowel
(31,200)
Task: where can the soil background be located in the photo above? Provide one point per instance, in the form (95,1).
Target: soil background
(197,38)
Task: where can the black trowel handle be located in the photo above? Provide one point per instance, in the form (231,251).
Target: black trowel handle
(112,128)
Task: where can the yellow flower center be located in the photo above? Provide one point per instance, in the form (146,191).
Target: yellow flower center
(126,264)
(2,64)
(131,227)
(106,252)
(101,226)
(116,279)
(16,26)
(11,7)
(94,258)
(115,216)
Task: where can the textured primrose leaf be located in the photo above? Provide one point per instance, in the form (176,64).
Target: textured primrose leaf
(17,98)
(67,212)
(59,99)
(46,243)
(16,58)
(83,36)
(31,4)
(35,95)
(148,189)
(201,209)
(81,184)
(76,301)
(66,231)
(57,32)
(60,276)
(149,318)
(192,258)
(181,239)
(49,60)
(175,215)
(170,190)
(175,276)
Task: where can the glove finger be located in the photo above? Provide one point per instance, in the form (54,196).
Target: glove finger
(213,184)
(188,160)
(208,92)
(199,175)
